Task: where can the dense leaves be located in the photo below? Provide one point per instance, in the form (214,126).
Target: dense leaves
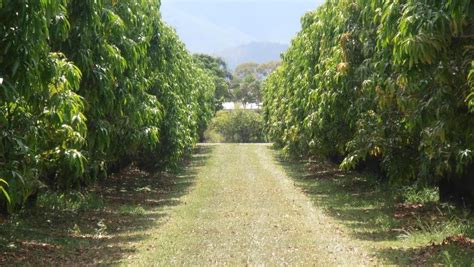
(385,83)
(87,87)
(221,74)
(236,126)
(247,79)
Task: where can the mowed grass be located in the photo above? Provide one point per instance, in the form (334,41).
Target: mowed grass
(104,225)
(240,205)
(245,211)
(403,227)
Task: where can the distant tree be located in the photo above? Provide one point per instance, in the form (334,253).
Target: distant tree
(245,69)
(221,74)
(265,69)
(236,126)
(247,81)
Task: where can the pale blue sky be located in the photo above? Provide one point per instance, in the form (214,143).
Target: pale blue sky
(213,25)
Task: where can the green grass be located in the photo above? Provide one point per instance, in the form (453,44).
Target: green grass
(239,204)
(72,201)
(415,195)
(100,226)
(244,210)
(38,225)
(406,226)
(131,210)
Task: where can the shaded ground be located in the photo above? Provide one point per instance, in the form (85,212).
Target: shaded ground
(102,226)
(416,232)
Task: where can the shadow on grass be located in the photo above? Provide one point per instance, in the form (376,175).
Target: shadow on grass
(373,214)
(109,219)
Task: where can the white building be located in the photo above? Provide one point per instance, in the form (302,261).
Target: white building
(233,105)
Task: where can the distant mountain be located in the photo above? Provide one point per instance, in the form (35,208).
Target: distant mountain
(210,26)
(258,52)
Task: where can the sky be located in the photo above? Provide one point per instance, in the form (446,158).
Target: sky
(210,26)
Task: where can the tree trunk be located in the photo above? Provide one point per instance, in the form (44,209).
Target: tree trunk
(458,189)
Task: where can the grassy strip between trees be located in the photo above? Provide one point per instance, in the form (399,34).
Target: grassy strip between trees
(408,226)
(122,222)
(104,225)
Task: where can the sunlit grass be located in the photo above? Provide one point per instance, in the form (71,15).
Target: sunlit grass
(131,210)
(244,210)
(405,226)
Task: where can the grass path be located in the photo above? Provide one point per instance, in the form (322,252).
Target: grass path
(244,209)
(239,205)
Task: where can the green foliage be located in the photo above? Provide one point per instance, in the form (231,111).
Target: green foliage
(236,126)
(217,68)
(246,83)
(416,195)
(89,86)
(4,192)
(41,121)
(379,81)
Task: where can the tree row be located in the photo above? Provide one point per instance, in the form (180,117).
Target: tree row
(90,86)
(384,85)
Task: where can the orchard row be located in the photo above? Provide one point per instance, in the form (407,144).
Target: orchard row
(90,86)
(382,84)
